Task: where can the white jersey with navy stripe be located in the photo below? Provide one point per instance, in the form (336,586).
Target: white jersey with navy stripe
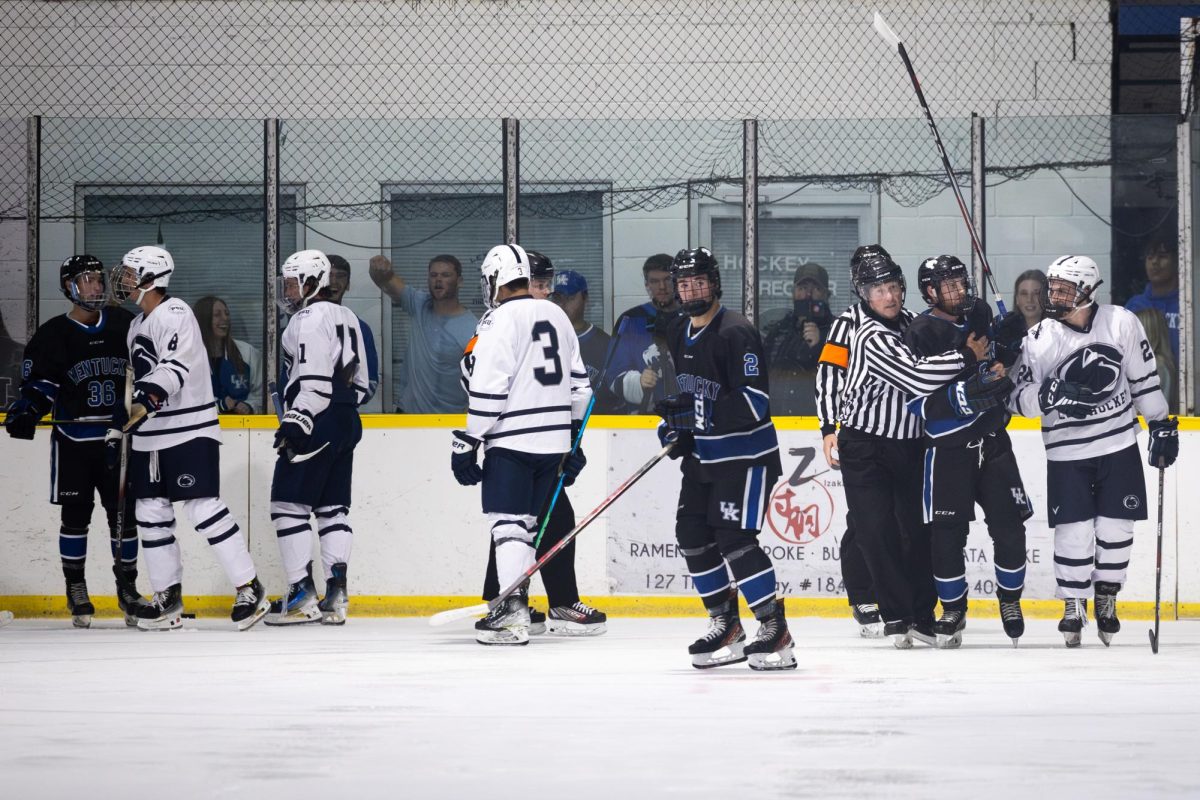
(525,378)
(324,359)
(168,356)
(1112,357)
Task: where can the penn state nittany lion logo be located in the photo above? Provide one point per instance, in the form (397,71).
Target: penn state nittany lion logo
(1096,366)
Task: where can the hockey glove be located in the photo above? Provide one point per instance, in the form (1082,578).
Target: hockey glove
(684,441)
(145,405)
(1069,399)
(678,412)
(295,430)
(20,420)
(574,462)
(983,390)
(113,440)
(1007,337)
(1164,441)
(464,452)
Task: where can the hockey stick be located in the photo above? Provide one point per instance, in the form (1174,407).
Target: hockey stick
(455,614)
(122,472)
(1158,567)
(292,458)
(889,36)
(587,414)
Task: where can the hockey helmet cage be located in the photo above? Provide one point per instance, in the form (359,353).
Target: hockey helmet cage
(142,269)
(68,275)
(934,271)
(694,264)
(1081,273)
(310,270)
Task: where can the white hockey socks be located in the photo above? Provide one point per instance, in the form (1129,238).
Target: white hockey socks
(515,553)
(211,518)
(1074,556)
(295,537)
(1114,542)
(335,534)
(156,527)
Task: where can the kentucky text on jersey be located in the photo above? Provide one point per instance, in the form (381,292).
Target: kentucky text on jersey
(693,384)
(96,367)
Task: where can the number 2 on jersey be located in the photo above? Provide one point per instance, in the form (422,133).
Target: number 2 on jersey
(554,375)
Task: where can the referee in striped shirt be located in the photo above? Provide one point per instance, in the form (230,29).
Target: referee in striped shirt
(879,447)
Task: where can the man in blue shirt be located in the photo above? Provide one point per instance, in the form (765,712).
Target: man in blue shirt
(1162,287)
(638,368)
(441,328)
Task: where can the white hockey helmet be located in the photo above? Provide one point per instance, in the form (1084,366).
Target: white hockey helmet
(1081,273)
(142,269)
(302,277)
(502,265)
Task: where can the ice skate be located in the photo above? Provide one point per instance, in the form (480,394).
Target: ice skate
(949,627)
(128,598)
(723,643)
(507,623)
(336,602)
(773,647)
(250,605)
(900,632)
(299,607)
(79,603)
(870,624)
(537,622)
(924,633)
(1074,621)
(577,619)
(164,612)
(1105,609)
(1012,619)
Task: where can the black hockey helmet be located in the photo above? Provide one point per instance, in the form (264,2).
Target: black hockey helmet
(934,271)
(540,266)
(694,264)
(871,264)
(69,273)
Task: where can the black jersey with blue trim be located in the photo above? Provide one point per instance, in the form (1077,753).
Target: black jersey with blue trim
(77,372)
(723,367)
(931,335)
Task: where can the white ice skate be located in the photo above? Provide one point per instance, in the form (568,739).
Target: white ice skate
(507,624)
(577,619)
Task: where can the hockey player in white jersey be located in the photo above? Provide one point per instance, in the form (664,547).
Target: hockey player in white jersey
(326,381)
(527,392)
(1088,371)
(176,444)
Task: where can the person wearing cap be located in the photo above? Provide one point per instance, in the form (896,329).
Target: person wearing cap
(571,294)
(339,282)
(794,343)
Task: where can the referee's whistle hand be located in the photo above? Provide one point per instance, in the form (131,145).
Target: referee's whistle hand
(829,443)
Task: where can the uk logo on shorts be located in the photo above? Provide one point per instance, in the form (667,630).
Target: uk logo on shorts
(1131,502)
(185,481)
(730,512)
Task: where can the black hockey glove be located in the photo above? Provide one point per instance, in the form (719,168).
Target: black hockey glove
(983,390)
(1007,337)
(295,431)
(1069,399)
(678,411)
(145,405)
(464,452)
(573,463)
(684,441)
(1164,442)
(20,420)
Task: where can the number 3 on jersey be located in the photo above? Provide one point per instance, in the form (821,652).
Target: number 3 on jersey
(554,375)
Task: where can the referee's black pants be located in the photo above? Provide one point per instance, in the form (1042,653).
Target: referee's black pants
(882,478)
(558,576)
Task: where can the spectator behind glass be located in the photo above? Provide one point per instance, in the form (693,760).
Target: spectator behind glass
(1162,287)
(793,344)
(339,282)
(639,371)
(1158,335)
(11,359)
(235,366)
(429,377)
(1029,294)
(571,295)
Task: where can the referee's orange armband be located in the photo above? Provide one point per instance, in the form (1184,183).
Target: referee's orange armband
(836,354)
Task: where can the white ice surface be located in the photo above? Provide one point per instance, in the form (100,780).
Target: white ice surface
(395,709)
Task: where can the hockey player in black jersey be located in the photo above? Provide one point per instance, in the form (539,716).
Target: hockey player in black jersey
(720,423)
(968,455)
(75,368)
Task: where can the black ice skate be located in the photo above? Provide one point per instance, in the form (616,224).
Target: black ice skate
(299,607)
(723,643)
(923,632)
(336,602)
(870,624)
(949,627)
(537,622)
(1105,609)
(1012,619)
(1074,621)
(772,647)
(507,623)
(577,619)
(128,598)
(900,632)
(78,602)
(164,612)
(250,605)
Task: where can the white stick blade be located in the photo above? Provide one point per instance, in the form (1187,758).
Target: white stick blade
(455,614)
(885,31)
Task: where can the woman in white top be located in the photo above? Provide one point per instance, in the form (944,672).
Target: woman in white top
(235,365)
